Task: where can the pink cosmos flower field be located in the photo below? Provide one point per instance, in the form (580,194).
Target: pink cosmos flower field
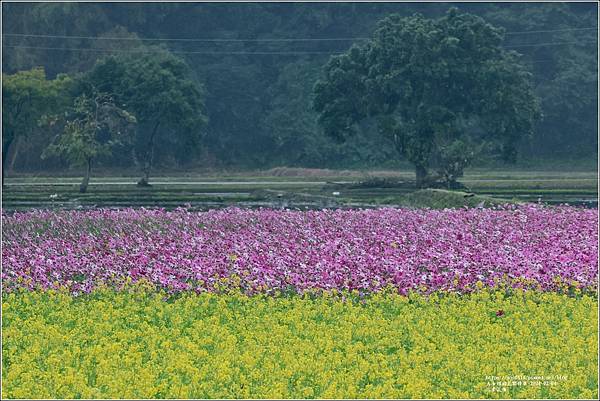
(267,250)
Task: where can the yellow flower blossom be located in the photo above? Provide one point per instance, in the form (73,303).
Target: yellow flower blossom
(134,344)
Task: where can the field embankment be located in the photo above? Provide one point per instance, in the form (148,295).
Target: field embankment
(300,188)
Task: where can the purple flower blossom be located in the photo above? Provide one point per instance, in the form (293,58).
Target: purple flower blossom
(267,250)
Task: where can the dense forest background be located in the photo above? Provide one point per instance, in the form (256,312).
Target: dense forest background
(258,81)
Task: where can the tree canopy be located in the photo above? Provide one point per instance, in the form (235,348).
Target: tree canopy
(91,128)
(26,97)
(158,89)
(258,86)
(434,86)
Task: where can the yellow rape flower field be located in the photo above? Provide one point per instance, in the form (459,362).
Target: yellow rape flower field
(139,344)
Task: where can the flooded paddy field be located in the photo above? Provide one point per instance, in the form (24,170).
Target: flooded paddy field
(360,189)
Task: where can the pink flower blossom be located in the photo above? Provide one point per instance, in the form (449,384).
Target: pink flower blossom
(269,250)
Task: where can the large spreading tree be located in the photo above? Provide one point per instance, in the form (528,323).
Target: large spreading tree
(26,97)
(440,88)
(158,88)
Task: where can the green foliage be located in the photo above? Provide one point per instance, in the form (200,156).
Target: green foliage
(26,97)
(92,128)
(156,86)
(452,158)
(157,89)
(565,76)
(426,81)
(257,104)
(295,137)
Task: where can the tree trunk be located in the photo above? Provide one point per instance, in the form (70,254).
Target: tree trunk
(15,153)
(421,175)
(86,178)
(145,180)
(136,162)
(5,148)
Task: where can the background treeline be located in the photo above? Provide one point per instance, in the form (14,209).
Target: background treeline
(259,106)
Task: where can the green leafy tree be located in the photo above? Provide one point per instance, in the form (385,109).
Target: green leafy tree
(26,97)
(92,129)
(158,89)
(431,84)
(565,76)
(295,136)
(243,91)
